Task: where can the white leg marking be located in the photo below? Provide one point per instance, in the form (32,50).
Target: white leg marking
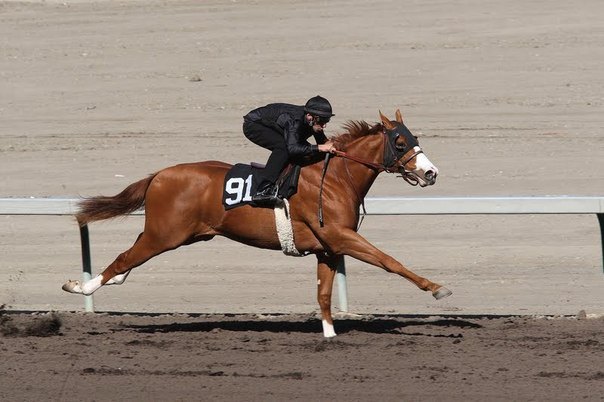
(328,330)
(92,285)
(118,279)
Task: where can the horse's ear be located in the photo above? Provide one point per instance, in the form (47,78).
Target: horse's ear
(386,122)
(399,116)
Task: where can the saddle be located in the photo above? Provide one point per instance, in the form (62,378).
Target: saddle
(241,181)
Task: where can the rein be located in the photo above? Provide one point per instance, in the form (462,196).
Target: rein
(379,167)
(376,166)
(325,164)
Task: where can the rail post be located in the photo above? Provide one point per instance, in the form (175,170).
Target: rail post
(86,265)
(342,288)
(601,220)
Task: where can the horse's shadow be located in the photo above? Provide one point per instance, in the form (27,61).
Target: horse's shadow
(407,326)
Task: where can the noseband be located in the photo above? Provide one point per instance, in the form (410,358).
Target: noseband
(408,175)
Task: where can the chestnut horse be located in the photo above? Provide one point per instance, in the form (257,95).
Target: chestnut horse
(183,205)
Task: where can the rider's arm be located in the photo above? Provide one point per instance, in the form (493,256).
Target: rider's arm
(295,145)
(320,137)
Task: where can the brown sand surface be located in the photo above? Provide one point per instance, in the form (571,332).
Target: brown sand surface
(70,356)
(507,98)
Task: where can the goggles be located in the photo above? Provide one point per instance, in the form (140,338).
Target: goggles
(320,120)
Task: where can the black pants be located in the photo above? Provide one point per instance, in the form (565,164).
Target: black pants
(271,139)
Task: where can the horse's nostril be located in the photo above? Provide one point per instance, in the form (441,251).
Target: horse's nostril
(430,175)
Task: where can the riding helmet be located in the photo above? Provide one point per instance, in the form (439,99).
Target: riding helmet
(318,106)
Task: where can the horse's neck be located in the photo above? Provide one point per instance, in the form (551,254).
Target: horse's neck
(358,177)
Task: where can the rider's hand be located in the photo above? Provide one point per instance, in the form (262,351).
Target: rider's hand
(327,147)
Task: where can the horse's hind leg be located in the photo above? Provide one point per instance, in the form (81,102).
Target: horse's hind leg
(326,270)
(118,279)
(146,247)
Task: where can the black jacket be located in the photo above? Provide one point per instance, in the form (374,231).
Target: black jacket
(289,121)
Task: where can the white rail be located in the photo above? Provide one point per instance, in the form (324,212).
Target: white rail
(484,205)
(373,205)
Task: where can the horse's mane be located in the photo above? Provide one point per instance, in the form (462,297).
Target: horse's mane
(355,129)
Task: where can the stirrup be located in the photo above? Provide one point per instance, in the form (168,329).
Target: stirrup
(265,200)
(268,189)
(266,197)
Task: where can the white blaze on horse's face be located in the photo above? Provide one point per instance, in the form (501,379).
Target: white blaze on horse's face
(422,168)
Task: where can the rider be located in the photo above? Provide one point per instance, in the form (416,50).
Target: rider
(284,130)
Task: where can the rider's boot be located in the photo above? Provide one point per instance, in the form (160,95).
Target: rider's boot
(266,195)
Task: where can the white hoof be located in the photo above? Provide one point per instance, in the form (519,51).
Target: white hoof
(72,287)
(441,293)
(328,329)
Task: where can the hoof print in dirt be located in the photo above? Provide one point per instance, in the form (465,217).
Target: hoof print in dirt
(41,326)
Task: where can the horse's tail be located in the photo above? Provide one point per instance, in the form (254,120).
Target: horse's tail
(99,208)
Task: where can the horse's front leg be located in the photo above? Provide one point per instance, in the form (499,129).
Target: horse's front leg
(343,241)
(326,270)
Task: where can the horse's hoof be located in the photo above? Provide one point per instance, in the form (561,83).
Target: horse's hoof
(441,293)
(72,287)
(328,330)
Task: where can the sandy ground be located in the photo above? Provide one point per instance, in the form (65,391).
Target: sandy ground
(507,99)
(75,357)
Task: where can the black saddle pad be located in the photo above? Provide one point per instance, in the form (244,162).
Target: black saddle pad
(240,184)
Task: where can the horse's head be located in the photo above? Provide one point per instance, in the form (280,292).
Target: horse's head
(404,154)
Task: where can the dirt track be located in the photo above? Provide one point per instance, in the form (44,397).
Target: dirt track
(284,357)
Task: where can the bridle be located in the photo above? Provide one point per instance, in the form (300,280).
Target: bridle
(408,175)
(391,163)
(392,155)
